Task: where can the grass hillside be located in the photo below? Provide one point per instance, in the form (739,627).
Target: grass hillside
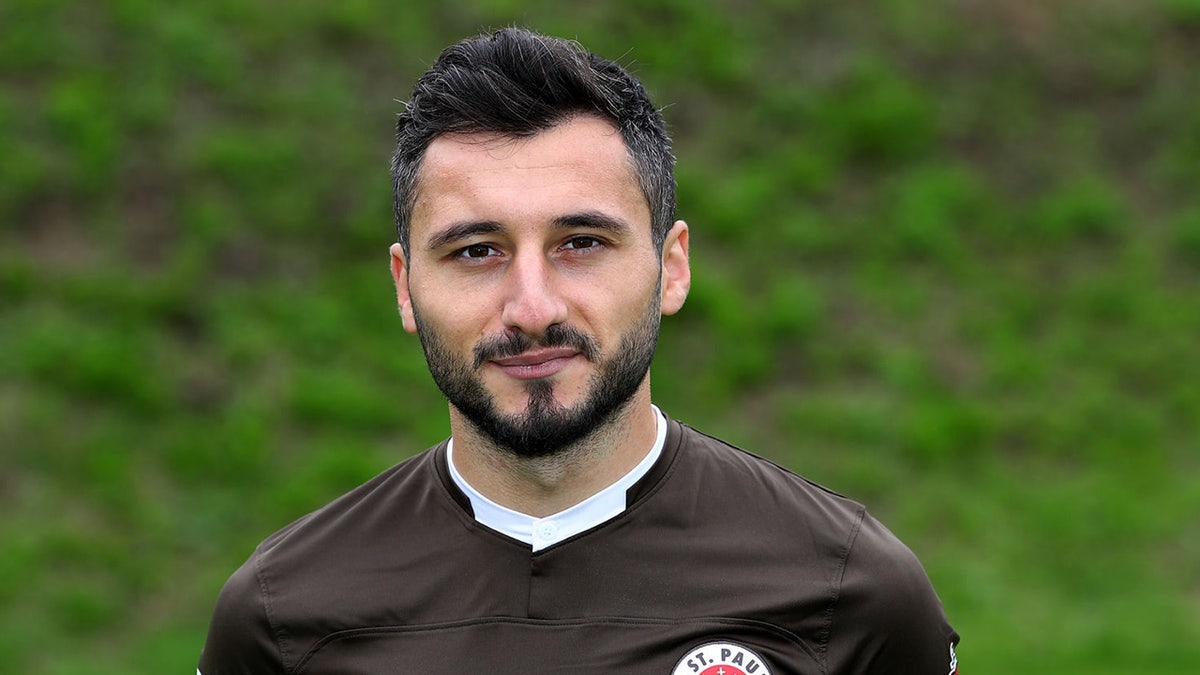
(946,260)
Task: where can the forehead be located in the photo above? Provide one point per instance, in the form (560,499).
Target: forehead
(580,164)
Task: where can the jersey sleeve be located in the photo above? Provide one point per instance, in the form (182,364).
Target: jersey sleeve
(887,618)
(241,639)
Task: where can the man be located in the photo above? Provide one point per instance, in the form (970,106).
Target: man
(567,524)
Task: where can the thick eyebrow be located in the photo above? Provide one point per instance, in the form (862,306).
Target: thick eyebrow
(595,220)
(457,231)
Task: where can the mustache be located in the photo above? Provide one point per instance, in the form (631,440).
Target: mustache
(516,342)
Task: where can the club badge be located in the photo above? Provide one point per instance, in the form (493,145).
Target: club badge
(721,658)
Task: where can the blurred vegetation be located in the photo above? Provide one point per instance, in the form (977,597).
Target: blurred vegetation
(947,261)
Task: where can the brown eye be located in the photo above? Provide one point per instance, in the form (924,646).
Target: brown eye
(477,251)
(581,242)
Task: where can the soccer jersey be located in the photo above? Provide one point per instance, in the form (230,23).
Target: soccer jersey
(722,563)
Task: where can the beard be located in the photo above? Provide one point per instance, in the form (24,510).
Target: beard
(545,427)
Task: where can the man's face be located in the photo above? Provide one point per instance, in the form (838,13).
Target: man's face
(534,283)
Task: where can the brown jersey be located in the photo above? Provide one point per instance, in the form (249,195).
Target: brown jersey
(722,564)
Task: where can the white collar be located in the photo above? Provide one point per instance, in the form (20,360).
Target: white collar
(543,532)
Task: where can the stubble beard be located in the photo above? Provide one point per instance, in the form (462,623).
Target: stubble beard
(545,427)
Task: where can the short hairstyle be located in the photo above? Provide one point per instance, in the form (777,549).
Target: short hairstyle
(517,83)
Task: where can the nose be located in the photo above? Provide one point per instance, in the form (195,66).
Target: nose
(533,301)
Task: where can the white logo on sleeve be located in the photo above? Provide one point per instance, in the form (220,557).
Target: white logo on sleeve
(953,661)
(721,658)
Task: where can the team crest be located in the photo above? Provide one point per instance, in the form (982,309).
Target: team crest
(721,658)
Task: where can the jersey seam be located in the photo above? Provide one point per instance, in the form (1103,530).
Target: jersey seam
(836,589)
(501,619)
(278,634)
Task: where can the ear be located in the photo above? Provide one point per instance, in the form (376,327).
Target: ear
(403,297)
(676,273)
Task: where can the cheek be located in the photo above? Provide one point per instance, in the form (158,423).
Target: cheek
(446,315)
(453,329)
(623,309)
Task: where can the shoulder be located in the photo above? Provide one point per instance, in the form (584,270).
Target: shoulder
(241,637)
(253,624)
(388,496)
(884,615)
(788,526)
(887,617)
(716,467)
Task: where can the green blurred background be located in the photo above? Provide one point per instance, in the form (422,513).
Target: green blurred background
(946,259)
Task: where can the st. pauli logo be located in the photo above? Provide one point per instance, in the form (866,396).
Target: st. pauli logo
(721,658)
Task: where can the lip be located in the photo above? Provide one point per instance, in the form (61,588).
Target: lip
(535,364)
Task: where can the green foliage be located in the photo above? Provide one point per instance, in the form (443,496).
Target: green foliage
(946,261)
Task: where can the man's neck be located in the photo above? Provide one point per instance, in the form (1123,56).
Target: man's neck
(542,486)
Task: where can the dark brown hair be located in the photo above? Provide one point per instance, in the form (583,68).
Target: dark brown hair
(516,82)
